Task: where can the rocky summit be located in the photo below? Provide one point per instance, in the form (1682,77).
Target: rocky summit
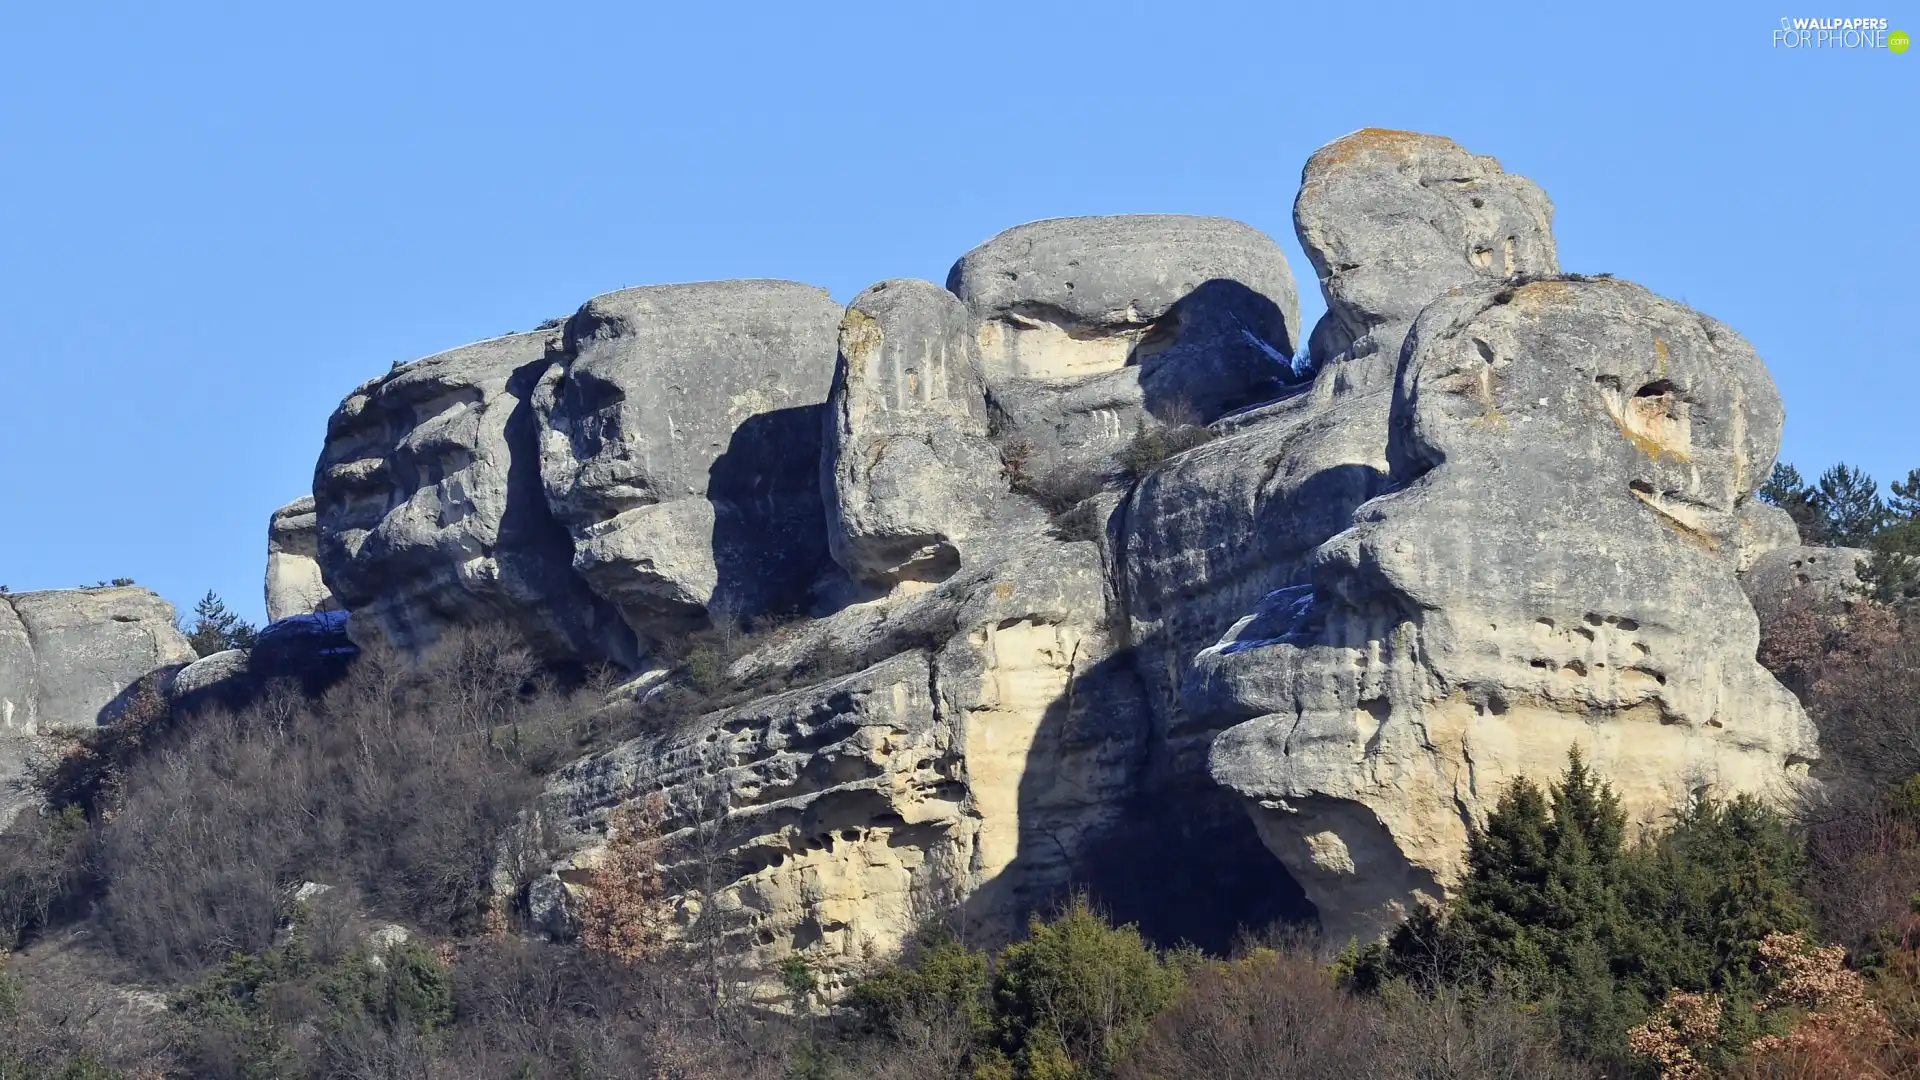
(1091,567)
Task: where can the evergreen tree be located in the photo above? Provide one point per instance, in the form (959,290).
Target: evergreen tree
(1787,490)
(1556,906)
(1849,500)
(1905,503)
(216,629)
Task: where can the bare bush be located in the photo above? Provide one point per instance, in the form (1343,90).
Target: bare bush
(1279,1015)
(401,781)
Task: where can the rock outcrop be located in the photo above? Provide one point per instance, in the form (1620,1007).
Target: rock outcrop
(1090,329)
(910,476)
(680,435)
(294,583)
(68,660)
(1794,575)
(1570,458)
(1393,219)
(1290,662)
(429,507)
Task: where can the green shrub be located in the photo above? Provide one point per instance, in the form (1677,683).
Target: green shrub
(1076,995)
(1558,908)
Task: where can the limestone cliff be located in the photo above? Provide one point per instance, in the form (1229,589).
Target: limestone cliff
(1506,514)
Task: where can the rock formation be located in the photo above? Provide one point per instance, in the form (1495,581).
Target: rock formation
(1291,662)
(294,584)
(1792,574)
(68,658)
(429,508)
(679,444)
(1450,641)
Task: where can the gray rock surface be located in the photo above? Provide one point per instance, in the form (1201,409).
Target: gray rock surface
(680,446)
(1790,576)
(294,583)
(429,507)
(1762,528)
(1392,219)
(1571,460)
(69,659)
(1091,328)
(980,743)
(908,473)
(209,672)
(88,647)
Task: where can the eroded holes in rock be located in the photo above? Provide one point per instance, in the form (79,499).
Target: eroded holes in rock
(1641,486)
(1626,624)
(1544,625)
(1640,649)
(1485,350)
(1541,663)
(1478,203)
(1574,668)
(1483,258)
(1715,723)
(850,835)
(1583,633)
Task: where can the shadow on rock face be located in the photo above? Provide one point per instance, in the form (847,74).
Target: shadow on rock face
(1221,347)
(769,543)
(1172,854)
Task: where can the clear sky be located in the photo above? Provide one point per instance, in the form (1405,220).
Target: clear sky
(215,220)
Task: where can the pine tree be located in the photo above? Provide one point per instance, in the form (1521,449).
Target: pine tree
(1905,503)
(1787,490)
(1849,500)
(216,629)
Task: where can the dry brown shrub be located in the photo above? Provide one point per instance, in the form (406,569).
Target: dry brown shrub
(624,913)
(1675,1034)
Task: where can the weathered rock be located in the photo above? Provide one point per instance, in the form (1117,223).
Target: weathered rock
(430,511)
(294,582)
(908,472)
(680,446)
(1762,528)
(976,748)
(1392,219)
(89,646)
(1070,297)
(1571,461)
(1090,328)
(69,659)
(1791,576)
(208,676)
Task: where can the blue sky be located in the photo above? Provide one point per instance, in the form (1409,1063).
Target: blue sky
(216,220)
